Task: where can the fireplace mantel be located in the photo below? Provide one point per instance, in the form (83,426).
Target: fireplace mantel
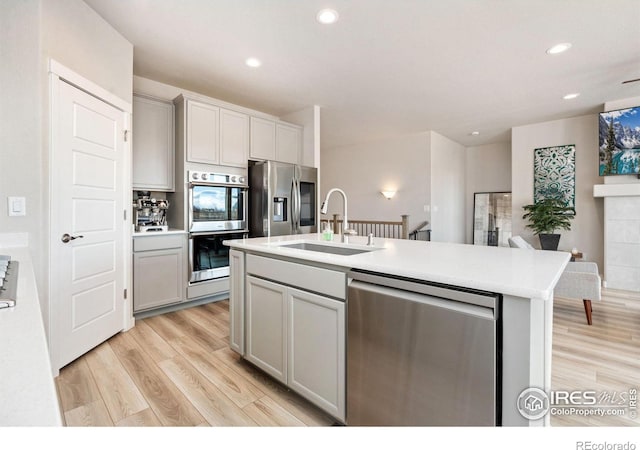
(616,190)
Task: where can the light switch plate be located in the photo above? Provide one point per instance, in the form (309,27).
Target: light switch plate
(17,206)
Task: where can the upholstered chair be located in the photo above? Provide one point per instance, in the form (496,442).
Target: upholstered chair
(580,280)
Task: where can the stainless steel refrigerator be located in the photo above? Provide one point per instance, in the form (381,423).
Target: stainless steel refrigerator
(282,199)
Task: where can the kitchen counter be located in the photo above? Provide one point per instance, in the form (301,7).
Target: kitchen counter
(27,391)
(137,234)
(510,271)
(525,280)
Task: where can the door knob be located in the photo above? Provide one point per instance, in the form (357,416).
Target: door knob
(67,237)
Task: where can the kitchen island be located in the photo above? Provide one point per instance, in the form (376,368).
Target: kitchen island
(270,276)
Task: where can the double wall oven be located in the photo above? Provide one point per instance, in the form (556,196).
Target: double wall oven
(217,212)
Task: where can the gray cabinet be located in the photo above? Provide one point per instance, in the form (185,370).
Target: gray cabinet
(263,139)
(209,134)
(288,143)
(275,141)
(202,132)
(295,335)
(266,318)
(153,149)
(159,272)
(236,301)
(234,138)
(316,352)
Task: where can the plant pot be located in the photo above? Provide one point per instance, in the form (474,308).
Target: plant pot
(549,241)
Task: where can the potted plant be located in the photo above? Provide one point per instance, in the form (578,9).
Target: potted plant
(545,217)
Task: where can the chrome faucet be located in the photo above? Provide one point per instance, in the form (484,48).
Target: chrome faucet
(346,231)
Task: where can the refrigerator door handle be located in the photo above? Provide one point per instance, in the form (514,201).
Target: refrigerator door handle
(298,206)
(293,207)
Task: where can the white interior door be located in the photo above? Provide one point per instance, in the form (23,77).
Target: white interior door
(87,204)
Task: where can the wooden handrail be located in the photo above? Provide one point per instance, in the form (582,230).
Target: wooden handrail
(379,228)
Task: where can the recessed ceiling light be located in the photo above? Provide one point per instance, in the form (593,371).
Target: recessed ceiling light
(559,48)
(327,16)
(475,133)
(253,62)
(571,96)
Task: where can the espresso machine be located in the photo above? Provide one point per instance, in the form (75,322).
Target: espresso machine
(150,213)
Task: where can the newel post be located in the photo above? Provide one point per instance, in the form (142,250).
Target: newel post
(405,226)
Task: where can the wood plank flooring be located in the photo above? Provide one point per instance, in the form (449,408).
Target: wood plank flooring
(177,369)
(603,357)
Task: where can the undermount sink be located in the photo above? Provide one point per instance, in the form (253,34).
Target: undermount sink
(323,248)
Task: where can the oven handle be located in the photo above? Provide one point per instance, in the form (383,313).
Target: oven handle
(191,256)
(190,207)
(202,183)
(217,233)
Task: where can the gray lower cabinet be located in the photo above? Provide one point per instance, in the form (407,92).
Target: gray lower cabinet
(236,301)
(294,335)
(316,352)
(158,271)
(266,319)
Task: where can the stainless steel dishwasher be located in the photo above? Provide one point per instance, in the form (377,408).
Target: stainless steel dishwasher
(421,354)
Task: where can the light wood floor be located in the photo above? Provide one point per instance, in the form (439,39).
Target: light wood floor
(177,369)
(603,357)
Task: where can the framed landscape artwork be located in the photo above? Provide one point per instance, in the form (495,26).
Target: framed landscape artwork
(554,174)
(619,142)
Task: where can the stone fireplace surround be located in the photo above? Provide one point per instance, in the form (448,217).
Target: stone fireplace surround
(621,231)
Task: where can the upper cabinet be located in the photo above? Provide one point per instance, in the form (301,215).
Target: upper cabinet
(274,140)
(234,138)
(152,144)
(263,138)
(212,135)
(288,143)
(203,132)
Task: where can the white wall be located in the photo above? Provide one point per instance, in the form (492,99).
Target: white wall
(31,32)
(448,170)
(76,36)
(21,116)
(488,170)
(587,227)
(363,170)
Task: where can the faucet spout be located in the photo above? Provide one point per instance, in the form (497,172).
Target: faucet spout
(345,225)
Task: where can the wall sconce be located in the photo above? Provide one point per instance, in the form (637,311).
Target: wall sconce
(388,194)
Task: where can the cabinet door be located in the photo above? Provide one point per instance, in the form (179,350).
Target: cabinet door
(316,337)
(263,139)
(266,318)
(203,133)
(234,138)
(158,278)
(236,301)
(153,150)
(288,143)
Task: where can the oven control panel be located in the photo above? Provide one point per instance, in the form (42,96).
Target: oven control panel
(217,178)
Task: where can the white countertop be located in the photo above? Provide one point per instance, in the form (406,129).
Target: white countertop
(137,234)
(27,390)
(511,271)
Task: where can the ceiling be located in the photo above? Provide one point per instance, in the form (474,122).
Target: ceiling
(392,67)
